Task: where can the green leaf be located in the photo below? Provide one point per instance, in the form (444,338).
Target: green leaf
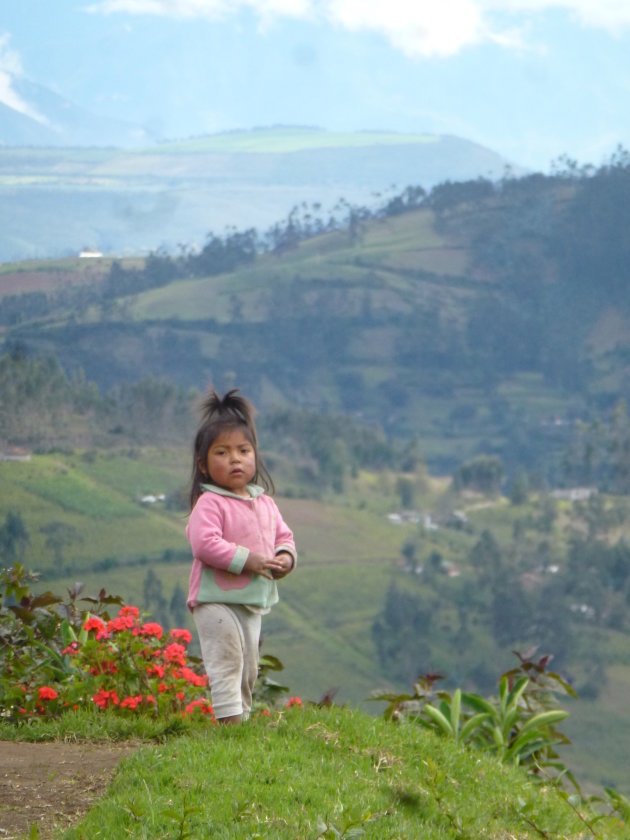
(498,736)
(439,719)
(516,751)
(565,685)
(67,633)
(456,705)
(271,662)
(471,725)
(503,690)
(509,721)
(479,704)
(517,692)
(544,719)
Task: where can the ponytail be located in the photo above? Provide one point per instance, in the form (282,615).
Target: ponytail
(230,409)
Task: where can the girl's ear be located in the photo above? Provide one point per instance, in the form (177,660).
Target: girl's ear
(202,468)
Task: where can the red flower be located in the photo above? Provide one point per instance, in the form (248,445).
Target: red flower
(150,699)
(156,670)
(152,628)
(293,701)
(204,706)
(132,611)
(184,636)
(190,676)
(47,693)
(120,623)
(103,698)
(72,648)
(131,702)
(265,712)
(95,623)
(175,653)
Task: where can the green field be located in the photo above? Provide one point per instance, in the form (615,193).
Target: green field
(284,139)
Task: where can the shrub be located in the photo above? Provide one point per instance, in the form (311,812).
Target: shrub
(55,657)
(519,725)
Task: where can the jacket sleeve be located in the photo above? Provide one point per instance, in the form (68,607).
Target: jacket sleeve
(205,535)
(284,538)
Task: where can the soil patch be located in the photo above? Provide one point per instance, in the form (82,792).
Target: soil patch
(52,784)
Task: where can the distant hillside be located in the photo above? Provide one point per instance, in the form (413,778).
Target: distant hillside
(58,200)
(477,317)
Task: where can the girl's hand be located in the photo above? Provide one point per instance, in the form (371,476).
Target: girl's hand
(260,565)
(284,565)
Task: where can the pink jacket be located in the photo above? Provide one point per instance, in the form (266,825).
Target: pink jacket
(223,528)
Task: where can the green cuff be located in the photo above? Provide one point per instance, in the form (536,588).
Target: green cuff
(239,560)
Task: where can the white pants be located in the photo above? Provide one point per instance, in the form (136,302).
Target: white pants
(229,636)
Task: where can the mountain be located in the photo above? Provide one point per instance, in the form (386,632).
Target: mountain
(137,200)
(41,117)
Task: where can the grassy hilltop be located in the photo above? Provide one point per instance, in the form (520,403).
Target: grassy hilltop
(316,773)
(326,773)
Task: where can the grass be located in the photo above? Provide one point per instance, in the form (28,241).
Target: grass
(308,773)
(97,727)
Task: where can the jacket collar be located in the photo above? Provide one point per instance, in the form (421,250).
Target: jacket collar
(254,490)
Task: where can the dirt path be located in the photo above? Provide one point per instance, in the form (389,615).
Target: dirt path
(52,784)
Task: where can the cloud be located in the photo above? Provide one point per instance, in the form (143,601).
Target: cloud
(611,15)
(415,28)
(10,68)
(418,28)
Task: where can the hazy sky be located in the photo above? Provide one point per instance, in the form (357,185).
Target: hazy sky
(531,79)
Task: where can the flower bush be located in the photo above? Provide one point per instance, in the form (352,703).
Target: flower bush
(54,657)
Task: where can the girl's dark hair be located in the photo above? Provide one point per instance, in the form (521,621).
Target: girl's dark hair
(220,414)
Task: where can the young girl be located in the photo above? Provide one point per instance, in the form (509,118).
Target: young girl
(240,547)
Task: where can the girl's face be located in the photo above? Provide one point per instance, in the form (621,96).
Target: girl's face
(231,461)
